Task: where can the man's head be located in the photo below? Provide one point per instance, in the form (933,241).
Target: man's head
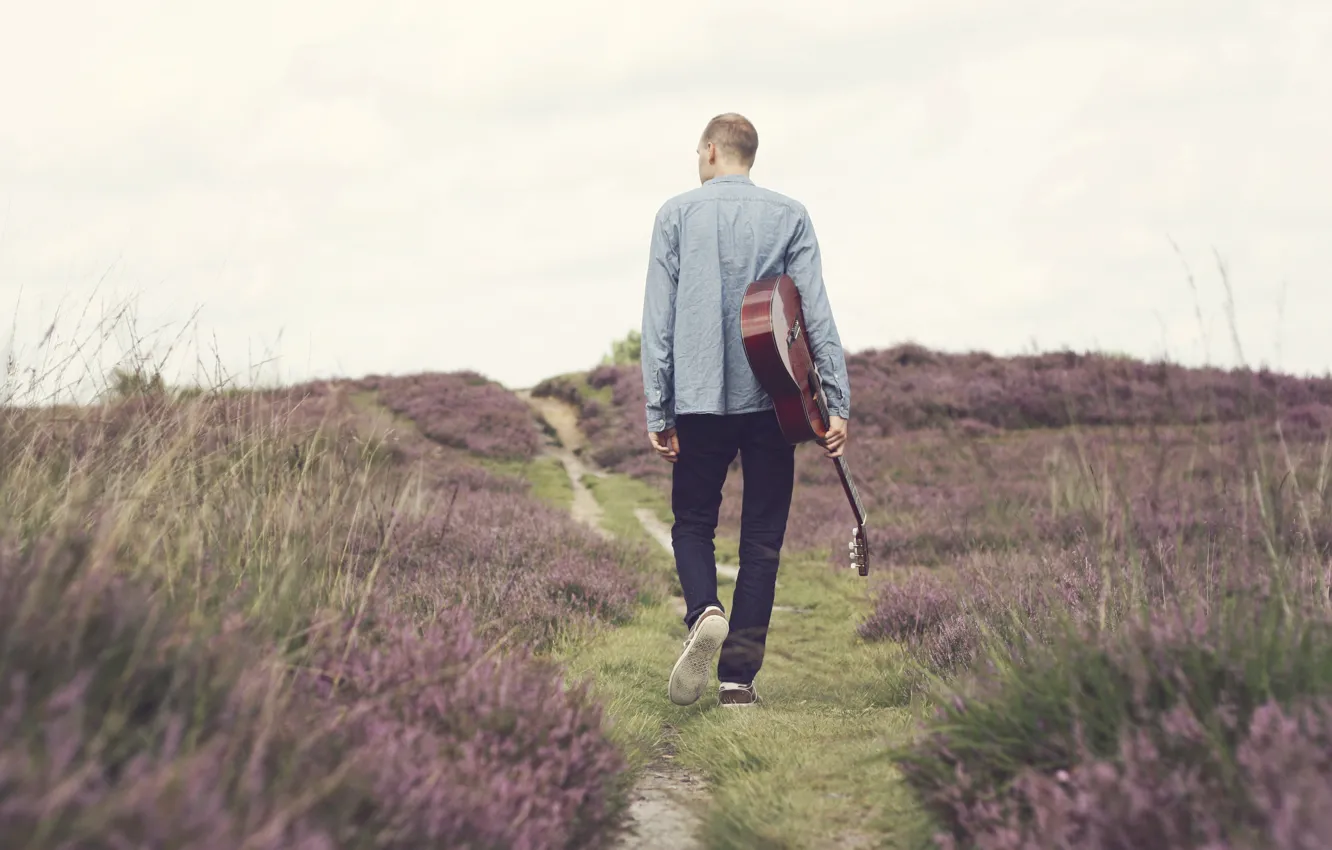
(728,146)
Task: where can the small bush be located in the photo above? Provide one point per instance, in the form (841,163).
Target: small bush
(462,410)
(906,610)
(1106,738)
(561,387)
(461,748)
(123,723)
(520,565)
(908,387)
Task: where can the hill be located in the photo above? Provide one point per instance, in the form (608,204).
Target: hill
(934,433)
(345,614)
(275,620)
(907,388)
(1111,577)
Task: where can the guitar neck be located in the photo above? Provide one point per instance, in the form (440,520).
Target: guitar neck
(849,486)
(843,470)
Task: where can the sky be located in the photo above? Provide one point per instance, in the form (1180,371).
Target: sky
(286,190)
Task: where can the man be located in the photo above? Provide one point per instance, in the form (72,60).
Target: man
(704,405)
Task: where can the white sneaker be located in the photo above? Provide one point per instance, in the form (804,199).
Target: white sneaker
(694,666)
(732,695)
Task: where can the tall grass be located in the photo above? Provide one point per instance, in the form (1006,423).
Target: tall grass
(264,619)
(1113,576)
(1152,666)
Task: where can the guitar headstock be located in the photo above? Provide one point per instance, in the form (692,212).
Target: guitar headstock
(859,550)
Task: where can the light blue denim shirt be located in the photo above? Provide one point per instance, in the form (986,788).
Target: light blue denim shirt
(708,245)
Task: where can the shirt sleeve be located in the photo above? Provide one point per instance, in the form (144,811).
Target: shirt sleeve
(658,334)
(805,267)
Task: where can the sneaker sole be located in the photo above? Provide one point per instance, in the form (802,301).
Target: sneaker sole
(692,670)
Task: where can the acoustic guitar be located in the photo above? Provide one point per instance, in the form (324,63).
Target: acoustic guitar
(772,323)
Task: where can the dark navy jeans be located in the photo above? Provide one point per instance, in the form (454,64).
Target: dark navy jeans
(708,446)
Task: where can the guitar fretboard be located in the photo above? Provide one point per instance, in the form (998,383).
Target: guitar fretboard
(843,470)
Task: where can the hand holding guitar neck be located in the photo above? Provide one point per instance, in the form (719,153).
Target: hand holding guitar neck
(835,440)
(779,352)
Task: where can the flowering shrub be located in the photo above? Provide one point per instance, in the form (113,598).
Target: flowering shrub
(909,608)
(1124,566)
(282,623)
(460,748)
(125,723)
(1191,730)
(562,387)
(122,725)
(522,566)
(463,410)
(963,453)
(1174,795)
(908,387)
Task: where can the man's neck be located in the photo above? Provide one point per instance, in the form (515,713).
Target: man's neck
(739,172)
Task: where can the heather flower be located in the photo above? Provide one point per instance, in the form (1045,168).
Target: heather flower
(929,449)
(201,686)
(1172,792)
(463,410)
(1122,738)
(907,609)
(463,748)
(1125,561)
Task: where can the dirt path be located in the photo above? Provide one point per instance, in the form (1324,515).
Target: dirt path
(662,818)
(660,813)
(563,420)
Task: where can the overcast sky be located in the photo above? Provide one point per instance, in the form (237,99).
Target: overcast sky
(406,186)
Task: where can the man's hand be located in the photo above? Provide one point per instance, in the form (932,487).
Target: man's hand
(667,444)
(835,439)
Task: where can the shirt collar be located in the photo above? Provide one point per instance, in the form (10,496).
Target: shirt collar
(731,178)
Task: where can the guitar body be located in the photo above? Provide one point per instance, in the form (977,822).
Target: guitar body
(777,345)
(772,324)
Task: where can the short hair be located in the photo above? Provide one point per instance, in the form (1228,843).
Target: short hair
(733,133)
